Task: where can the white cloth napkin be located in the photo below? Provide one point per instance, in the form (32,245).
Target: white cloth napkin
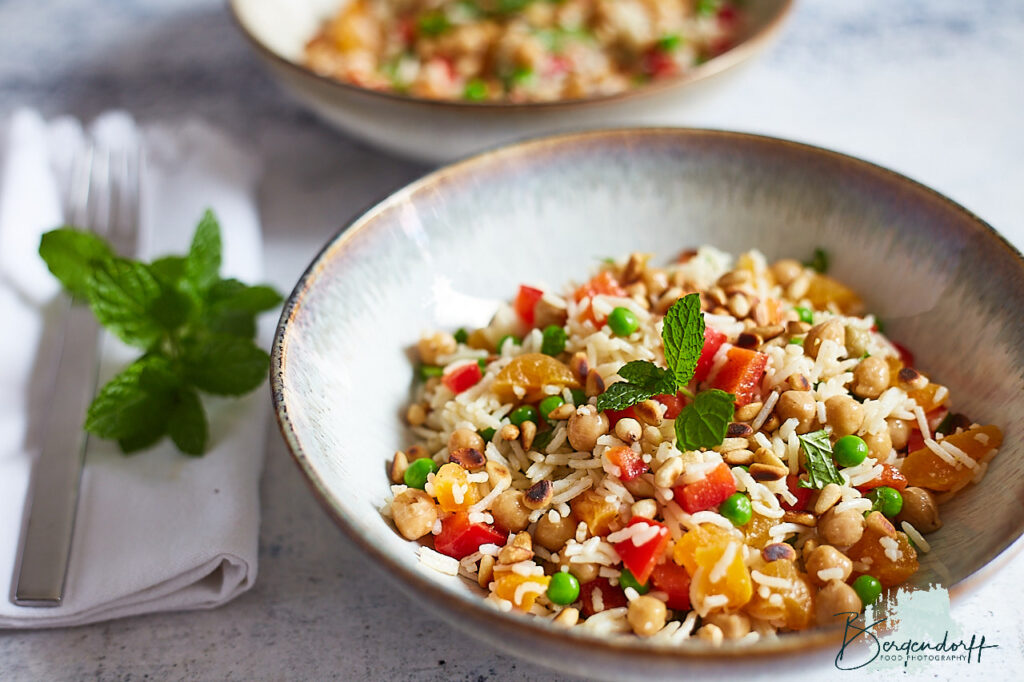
(156,531)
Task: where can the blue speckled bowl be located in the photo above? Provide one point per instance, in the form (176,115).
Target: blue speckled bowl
(444,250)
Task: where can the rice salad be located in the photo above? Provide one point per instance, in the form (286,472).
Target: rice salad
(722,448)
(518,50)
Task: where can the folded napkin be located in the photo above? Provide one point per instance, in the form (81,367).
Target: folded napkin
(156,531)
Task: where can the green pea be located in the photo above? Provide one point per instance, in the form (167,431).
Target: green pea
(796,342)
(553,341)
(487,434)
(416,475)
(850,451)
(461,335)
(886,500)
(623,321)
(737,509)
(627,579)
(670,42)
(550,404)
(475,90)
(523,413)
(868,589)
(427,371)
(564,588)
(578,397)
(433,23)
(482,364)
(806,315)
(509,337)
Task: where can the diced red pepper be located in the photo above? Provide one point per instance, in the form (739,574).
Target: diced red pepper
(906,357)
(891,476)
(612,597)
(674,404)
(741,375)
(641,559)
(657,63)
(459,538)
(603,283)
(708,492)
(462,377)
(672,579)
(614,416)
(916,441)
(629,462)
(526,303)
(727,15)
(803,495)
(713,340)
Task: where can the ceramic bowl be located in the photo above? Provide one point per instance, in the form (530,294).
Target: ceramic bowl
(443,251)
(438,131)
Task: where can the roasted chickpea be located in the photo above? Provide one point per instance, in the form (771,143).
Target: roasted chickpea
(870,377)
(585,573)
(552,536)
(844,414)
(732,625)
(414,513)
(841,528)
(786,270)
(646,615)
(835,601)
(830,330)
(899,432)
(584,429)
(797,405)
(435,345)
(879,444)
(824,558)
(856,341)
(509,512)
(465,438)
(920,510)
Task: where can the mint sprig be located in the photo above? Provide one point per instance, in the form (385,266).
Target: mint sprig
(196,331)
(704,422)
(682,334)
(643,380)
(818,461)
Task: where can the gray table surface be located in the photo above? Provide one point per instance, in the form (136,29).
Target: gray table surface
(932,88)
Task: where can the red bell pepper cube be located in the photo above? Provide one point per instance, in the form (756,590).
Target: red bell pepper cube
(602,283)
(614,416)
(672,579)
(641,559)
(674,404)
(526,303)
(708,492)
(741,375)
(906,357)
(612,597)
(916,441)
(462,377)
(459,538)
(630,463)
(890,476)
(803,495)
(713,340)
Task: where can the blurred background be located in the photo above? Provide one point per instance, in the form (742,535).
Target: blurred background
(930,88)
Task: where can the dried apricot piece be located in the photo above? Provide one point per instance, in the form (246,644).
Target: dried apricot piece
(530,373)
(924,469)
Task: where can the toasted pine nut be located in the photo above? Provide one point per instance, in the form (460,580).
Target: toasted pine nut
(398,466)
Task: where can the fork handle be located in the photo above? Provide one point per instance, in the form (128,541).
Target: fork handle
(53,497)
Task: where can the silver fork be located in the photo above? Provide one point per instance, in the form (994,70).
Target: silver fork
(103,196)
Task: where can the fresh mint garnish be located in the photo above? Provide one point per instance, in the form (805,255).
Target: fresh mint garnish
(643,380)
(818,461)
(682,334)
(704,422)
(195,328)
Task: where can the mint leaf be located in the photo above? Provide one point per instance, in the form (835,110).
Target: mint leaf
(818,461)
(683,336)
(233,322)
(648,375)
(186,424)
(172,308)
(225,365)
(704,422)
(69,254)
(127,409)
(202,264)
(232,294)
(621,395)
(170,270)
(121,294)
(542,440)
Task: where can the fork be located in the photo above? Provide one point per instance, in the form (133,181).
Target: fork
(103,197)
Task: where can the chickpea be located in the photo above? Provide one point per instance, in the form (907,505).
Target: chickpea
(835,601)
(826,557)
(509,512)
(831,330)
(857,340)
(797,405)
(920,510)
(414,513)
(584,429)
(646,615)
(465,438)
(546,314)
(870,377)
(844,414)
(786,270)
(899,432)
(552,536)
(732,625)
(879,444)
(436,345)
(644,509)
(585,573)
(841,528)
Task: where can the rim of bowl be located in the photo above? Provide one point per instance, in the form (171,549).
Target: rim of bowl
(790,643)
(734,56)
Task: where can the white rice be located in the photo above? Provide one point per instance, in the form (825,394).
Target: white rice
(916,537)
(437,561)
